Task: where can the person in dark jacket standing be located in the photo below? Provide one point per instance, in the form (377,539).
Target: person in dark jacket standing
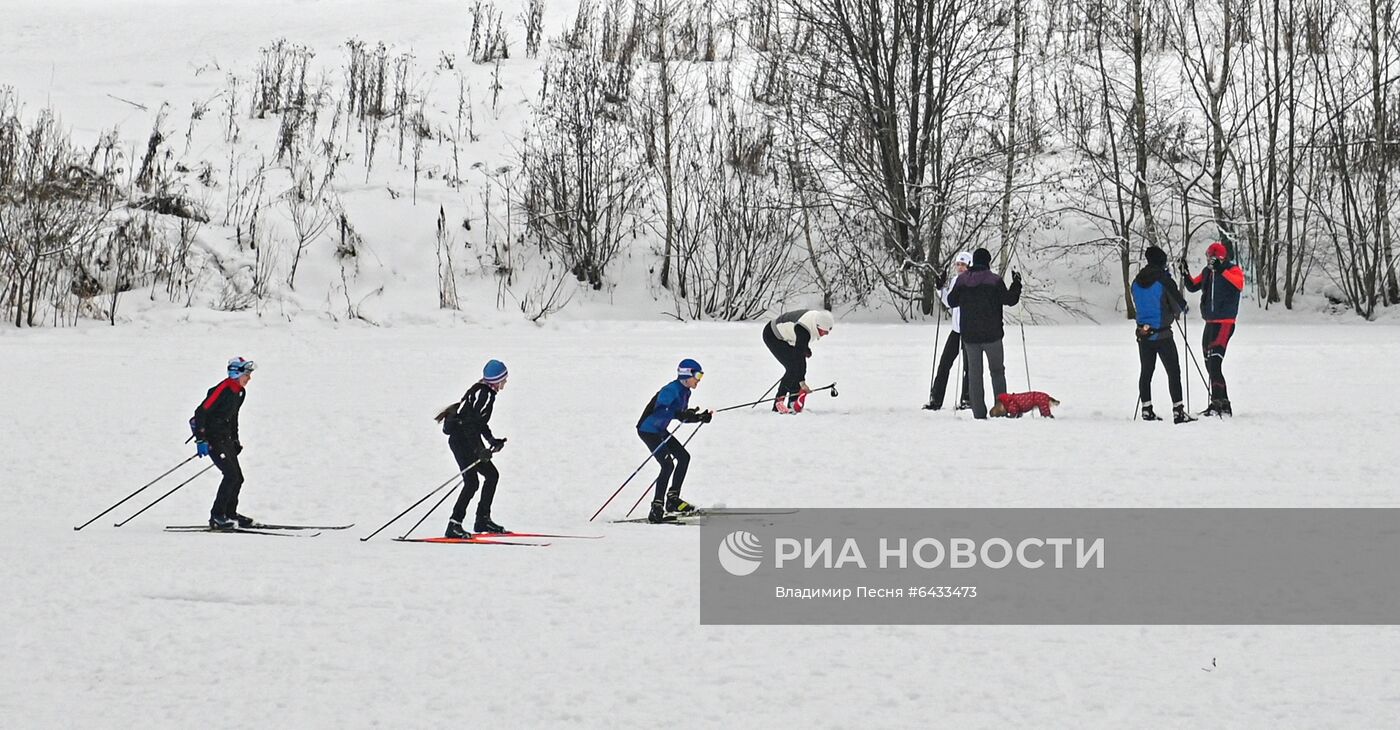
(789,337)
(215,427)
(1220,283)
(670,403)
(981,295)
(1158,302)
(467,425)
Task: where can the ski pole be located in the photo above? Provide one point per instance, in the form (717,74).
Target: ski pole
(429,513)
(653,481)
(439,488)
(163,496)
(628,480)
(766,392)
(933,372)
(1192,353)
(831,388)
(1025,355)
(133,494)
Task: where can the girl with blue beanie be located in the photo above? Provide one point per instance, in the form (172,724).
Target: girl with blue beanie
(467,425)
(670,403)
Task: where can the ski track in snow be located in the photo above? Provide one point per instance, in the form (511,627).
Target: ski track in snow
(134,626)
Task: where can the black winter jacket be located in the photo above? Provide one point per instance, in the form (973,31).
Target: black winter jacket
(216,418)
(981,295)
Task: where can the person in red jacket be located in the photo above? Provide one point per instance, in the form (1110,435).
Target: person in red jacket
(1220,283)
(1013,405)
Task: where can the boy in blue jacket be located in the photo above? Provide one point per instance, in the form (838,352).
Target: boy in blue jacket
(670,403)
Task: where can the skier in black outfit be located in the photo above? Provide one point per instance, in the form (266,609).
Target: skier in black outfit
(981,294)
(953,345)
(1158,303)
(789,338)
(466,423)
(215,427)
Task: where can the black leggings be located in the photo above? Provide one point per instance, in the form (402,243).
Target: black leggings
(674,460)
(1214,340)
(225,456)
(466,451)
(951,348)
(1149,351)
(794,362)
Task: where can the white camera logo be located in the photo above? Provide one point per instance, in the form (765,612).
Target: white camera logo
(740,553)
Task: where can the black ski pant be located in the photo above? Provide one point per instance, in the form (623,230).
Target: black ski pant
(225,457)
(951,348)
(1149,352)
(483,476)
(794,362)
(1214,339)
(674,461)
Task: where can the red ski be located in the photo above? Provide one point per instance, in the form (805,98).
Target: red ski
(493,535)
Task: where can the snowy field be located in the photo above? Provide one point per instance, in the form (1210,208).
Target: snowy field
(136,627)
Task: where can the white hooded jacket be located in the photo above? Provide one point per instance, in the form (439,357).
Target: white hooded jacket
(815,321)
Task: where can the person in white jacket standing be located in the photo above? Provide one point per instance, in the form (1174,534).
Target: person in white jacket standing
(953,345)
(789,338)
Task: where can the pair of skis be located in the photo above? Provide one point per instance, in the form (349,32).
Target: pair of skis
(262,529)
(696,517)
(499,538)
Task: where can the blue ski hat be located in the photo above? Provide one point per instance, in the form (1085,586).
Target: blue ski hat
(494,372)
(689,369)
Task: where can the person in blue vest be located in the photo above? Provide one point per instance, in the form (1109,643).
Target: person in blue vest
(1220,283)
(1158,302)
(670,403)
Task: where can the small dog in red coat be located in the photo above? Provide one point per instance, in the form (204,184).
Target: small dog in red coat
(1013,405)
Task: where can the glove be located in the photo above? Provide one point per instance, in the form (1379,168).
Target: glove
(706,416)
(940,279)
(497,445)
(1016,277)
(237,448)
(1143,332)
(201,449)
(689,415)
(804,387)
(483,456)
(809,352)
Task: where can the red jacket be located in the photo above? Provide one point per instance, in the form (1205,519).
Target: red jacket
(1018,403)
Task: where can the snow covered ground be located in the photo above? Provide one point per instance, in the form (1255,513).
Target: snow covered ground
(136,627)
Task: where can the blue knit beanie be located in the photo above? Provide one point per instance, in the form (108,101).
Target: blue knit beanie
(494,372)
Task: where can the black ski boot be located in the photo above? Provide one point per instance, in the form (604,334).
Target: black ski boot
(658,514)
(484,524)
(244,521)
(676,505)
(1218,407)
(1179,414)
(964,405)
(219,522)
(455,530)
(1148,414)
